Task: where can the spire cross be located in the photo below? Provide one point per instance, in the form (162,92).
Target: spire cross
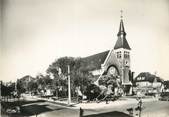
(121,16)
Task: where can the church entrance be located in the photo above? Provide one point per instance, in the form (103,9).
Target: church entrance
(111,78)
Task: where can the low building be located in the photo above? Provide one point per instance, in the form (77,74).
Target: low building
(149,83)
(25,81)
(166,85)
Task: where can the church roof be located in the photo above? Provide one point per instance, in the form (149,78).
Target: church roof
(121,41)
(94,62)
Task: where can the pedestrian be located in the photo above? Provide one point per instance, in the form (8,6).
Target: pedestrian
(108,93)
(81,112)
(79,94)
(139,107)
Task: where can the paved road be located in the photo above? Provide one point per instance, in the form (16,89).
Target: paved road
(156,109)
(150,109)
(47,109)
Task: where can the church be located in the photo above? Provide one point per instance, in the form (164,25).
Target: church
(115,61)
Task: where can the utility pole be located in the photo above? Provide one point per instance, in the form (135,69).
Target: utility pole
(69,90)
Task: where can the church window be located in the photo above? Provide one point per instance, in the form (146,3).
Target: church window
(118,54)
(126,54)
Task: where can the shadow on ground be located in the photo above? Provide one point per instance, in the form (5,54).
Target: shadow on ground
(33,109)
(109,114)
(19,103)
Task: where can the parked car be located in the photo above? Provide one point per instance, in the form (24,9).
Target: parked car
(164,96)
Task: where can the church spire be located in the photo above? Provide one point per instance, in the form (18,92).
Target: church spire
(121,41)
(121,16)
(121,28)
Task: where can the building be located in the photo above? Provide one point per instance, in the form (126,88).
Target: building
(25,81)
(115,61)
(166,85)
(149,83)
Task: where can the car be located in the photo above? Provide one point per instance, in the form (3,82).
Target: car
(164,96)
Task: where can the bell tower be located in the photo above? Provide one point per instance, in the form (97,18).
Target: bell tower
(122,50)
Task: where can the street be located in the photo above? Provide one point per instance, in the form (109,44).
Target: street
(151,108)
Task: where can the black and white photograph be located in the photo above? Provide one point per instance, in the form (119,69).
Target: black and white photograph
(84,58)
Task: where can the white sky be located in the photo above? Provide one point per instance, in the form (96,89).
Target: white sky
(36,32)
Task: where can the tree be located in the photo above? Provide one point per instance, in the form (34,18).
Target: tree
(62,64)
(78,72)
(7,90)
(33,86)
(20,88)
(4,90)
(43,81)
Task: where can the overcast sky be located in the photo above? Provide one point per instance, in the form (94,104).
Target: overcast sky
(36,32)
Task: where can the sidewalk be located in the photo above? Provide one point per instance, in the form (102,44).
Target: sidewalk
(94,105)
(62,103)
(117,103)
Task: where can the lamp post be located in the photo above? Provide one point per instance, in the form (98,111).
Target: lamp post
(69,90)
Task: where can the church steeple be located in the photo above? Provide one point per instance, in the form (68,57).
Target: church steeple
(122,50)
(121,29)
(121,42)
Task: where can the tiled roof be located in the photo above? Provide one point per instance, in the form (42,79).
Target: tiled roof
(27,78)
(94,62)
(146,76)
